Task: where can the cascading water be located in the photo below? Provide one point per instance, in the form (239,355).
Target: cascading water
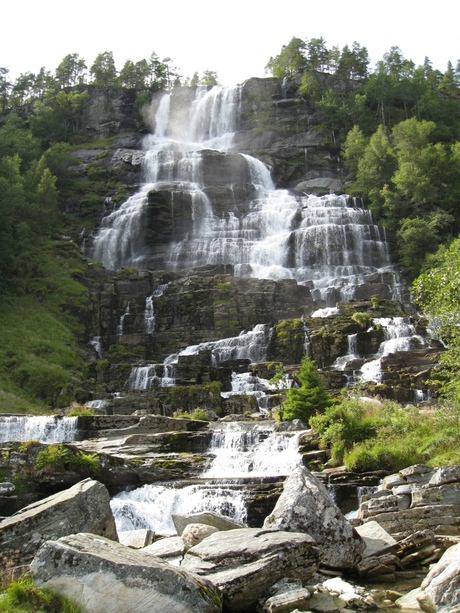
(325,242)
(46,429)
(399,335)
(250,345)
(238,451)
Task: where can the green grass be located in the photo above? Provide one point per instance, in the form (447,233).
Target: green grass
(38,349)
(22,596)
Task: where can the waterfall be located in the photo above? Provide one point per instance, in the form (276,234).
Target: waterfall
(242,450)
(251,345)
(237,450)
(399,335)
(122,321)
(149,315)
(46,429)
(329,242)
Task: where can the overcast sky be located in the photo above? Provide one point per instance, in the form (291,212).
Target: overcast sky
(234,38)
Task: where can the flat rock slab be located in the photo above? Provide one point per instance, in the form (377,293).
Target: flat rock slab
(84,506)
(245,563)
(102,575)
(375,537)
(210,518)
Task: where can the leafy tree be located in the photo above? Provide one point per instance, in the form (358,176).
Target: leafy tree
(354,147)
(16,138)
(375,169)
(209,78)
(353,63)
(417,237)
(71,71)
(135,76)
(310,397)
(23,88)
(290,61)
(103,70)
(317,54)
(5,87)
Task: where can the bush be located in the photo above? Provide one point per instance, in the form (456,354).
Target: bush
(198,413)
(388,455)
(52,457)
(87,462)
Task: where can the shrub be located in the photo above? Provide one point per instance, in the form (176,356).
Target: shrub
(77,409)
(87,462)
(197,413)
(52,457)
(364,320)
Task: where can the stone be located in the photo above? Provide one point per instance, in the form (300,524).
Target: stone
(210,518)
(85,506)
(445,474)
(306,506)
(193,534)
(245,563)
(137,539)
(409,601)
(440,590)
(375,537)
(102,575)
(170,547)
(6,489)
(286,602)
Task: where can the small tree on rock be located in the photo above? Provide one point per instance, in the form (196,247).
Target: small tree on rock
(310,398)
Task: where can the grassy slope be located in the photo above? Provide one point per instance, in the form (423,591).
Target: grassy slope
(38,349)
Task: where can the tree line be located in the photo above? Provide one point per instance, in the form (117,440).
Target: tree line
(152,74)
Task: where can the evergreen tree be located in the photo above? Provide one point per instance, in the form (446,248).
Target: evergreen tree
(310,397)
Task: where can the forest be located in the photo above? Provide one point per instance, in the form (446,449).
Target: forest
(397,127)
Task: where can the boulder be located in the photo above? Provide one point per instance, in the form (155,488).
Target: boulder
(306,506)
(440,590)
(209,518)
(171,549)
(102,575)
(85,506)
(193,534)
(137,539)
(375,537)
(245,563)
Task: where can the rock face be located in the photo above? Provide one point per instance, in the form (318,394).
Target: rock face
(244,563)
(440,590)
(101,575)
(85,506)
(416,498)
(306,506)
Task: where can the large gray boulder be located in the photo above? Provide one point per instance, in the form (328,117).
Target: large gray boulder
(102,575)
(440,590)
(306,506)
(85,506)
(244,563)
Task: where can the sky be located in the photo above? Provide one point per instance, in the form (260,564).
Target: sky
(235,38)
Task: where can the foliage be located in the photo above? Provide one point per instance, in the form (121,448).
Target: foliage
(198,413)
(309,398)
(57,457)
(22,596)
(53,457)
(364,320)
(76,410)
(437,293)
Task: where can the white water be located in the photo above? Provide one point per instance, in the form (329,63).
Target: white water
(250,345)
(322,241)
(242,450)
(249,385)
(46,429)
(239,450)
(399,335)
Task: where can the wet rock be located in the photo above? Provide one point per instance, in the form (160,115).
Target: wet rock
(101,575)
(306,506)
